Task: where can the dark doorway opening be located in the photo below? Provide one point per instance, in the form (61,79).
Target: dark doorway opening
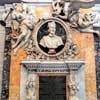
(52,88)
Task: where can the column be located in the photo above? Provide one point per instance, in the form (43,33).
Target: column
(2,44)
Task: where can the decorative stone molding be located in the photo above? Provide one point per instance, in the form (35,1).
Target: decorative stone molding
(74,19)
(66,35)
(55,66)
(81,3)
(30,67)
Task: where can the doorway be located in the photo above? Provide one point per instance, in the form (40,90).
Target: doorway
(52,88)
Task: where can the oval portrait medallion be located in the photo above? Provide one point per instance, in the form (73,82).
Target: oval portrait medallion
(52,36)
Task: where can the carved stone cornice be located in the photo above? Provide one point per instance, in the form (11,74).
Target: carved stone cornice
(84,3)
(52,66)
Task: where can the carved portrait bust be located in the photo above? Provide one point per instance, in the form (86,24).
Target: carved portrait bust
(51,37)
(51,42)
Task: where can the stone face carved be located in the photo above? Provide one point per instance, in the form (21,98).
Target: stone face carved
(31,87)
(73,90)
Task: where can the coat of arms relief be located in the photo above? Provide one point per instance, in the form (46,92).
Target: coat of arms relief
(49,37)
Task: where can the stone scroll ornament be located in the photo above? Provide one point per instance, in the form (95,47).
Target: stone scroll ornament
(70,13)
(50,37)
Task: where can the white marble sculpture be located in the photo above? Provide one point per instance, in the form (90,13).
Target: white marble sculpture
(17,16)
(65,14)
(73,90)
(26,22)
(31,87)
(72,15)
(51,41)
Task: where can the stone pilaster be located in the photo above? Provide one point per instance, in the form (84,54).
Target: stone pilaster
(2,44)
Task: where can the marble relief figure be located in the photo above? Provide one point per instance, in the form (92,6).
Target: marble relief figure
(24,22)
(73,90)
(68,12)
(31,87)
(72,15)
(51,41)
(48,41)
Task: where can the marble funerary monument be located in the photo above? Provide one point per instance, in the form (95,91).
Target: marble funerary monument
(52,50)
